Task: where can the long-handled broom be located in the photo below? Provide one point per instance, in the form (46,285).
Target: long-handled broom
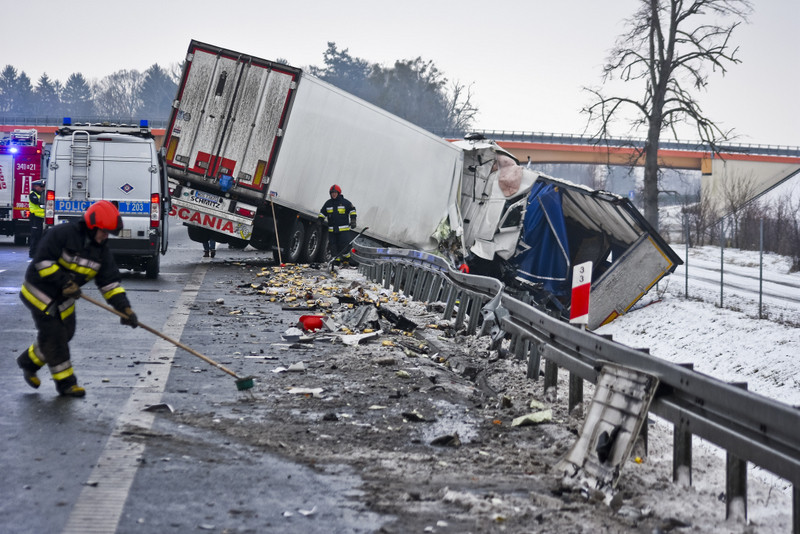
(242,383)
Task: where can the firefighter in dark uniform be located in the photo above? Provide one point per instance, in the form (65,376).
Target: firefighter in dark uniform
(36,218)
(68,256)
(340,215)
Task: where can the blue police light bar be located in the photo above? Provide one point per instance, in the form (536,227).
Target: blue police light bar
(67,121)
(143,123)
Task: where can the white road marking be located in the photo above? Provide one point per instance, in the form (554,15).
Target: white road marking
(101,502)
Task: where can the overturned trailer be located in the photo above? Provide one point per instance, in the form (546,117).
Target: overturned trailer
(529,229)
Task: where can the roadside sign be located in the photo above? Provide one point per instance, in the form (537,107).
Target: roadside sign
(581,287)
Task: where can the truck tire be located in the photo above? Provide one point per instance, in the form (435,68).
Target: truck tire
(197,234)
(295,239)
(324,255)
(20,240)
(152,267)
(238,244)
(311,243)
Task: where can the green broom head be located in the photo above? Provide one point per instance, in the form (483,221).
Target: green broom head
(245,383)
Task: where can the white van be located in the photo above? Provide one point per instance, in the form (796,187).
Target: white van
(121,164)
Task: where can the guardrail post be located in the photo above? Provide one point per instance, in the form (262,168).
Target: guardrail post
(452,296)
(550,376)
(435,291)
(736,482)
(682,448)
(463,304)
(476,303)
(534,361)
(386,275)
(522,347)
(575,391)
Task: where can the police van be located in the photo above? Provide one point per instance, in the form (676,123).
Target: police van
(121,164)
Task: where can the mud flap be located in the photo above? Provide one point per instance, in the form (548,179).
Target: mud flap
(618,410)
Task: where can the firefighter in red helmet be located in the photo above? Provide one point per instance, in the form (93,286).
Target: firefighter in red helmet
(340,216)
(68,256)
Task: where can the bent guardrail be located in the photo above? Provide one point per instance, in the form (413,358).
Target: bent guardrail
(750,427)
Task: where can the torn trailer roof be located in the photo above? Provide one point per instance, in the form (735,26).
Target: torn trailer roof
(567,224)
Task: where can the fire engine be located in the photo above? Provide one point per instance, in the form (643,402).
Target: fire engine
(20,165)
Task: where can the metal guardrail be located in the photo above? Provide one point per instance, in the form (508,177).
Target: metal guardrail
(750,427)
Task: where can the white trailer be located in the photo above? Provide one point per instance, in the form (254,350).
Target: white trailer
(249,137)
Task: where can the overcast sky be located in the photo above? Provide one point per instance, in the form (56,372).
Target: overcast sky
(527,60)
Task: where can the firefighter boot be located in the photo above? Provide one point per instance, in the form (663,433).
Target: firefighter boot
(30,363)
(68,387)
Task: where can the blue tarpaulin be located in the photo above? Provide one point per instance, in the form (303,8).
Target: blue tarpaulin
(544,231)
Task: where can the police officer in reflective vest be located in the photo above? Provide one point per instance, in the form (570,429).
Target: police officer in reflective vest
(36,218)
(340,215)
(68,256)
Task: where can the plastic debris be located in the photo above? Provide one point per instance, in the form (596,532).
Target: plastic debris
(448,440)
(161,407)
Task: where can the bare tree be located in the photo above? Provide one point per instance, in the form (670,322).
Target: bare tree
(668,47)
(737,190)
(117,95)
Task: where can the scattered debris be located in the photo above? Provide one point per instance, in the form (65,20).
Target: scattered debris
(162,407)
(310,392)
(448,440)
(544,416)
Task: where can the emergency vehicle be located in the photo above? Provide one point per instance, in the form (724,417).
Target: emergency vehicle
(20,166)
(121,164)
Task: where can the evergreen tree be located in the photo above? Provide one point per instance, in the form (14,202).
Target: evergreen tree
(412,89)
(24,101)
(156,93)
(346,72)
(47,101)
(8,89)
(76,98)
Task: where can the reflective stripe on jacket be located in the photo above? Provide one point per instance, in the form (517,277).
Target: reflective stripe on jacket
(35,204)
(338,211)
(67,252)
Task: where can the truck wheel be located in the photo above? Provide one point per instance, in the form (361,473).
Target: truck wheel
(324,255)
(293,248)
(312,243)
(152,267)
(197,234)
(238,244)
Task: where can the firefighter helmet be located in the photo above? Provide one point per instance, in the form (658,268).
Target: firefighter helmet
(103,215)
(336,188)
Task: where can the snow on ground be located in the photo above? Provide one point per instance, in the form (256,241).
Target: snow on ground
(728,344)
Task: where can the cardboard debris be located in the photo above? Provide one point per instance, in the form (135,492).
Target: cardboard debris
(355,339)
(313,392)
(544,416)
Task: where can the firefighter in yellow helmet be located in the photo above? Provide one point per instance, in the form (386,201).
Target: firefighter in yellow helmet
(68,256)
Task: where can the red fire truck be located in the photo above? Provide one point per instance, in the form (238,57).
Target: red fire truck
(20,165)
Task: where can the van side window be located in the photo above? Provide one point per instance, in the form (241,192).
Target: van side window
(221,84)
